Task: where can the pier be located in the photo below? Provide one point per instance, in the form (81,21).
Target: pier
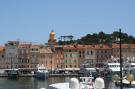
(50,75)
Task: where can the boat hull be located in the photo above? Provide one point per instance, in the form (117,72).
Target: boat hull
(41,75)
(13,74)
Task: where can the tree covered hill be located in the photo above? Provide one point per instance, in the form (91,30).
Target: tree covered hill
(101,38)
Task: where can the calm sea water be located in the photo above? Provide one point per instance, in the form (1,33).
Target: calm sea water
(31,83)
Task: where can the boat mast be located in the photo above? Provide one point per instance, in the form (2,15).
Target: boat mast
(121,61)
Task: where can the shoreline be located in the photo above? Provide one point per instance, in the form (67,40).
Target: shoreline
(50,75)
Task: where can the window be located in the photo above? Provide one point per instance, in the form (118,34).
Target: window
(80,55)
(66,61)
(74,61)
(91,52)
(50,62)
(2,56)
(87,52)
(71,55)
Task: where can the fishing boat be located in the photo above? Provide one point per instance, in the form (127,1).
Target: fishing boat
(41,72)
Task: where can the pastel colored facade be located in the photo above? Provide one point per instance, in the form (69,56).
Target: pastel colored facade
(34,55)
(81,53)
(2,57)
(128,51)
(59,57)
(103,54)
(24,57)
(90,56)
(70,56)
(11,54)
(47,57)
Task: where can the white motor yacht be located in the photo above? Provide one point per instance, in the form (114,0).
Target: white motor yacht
(86,83)
(42,72)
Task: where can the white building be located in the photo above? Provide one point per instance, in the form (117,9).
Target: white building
(11,53)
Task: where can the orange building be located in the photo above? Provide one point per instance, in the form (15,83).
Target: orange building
(59,57)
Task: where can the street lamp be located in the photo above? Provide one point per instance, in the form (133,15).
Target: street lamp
(121,61)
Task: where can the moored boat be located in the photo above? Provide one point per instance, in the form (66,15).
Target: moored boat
(13,73)
(42,72)
(126,79)
(85,83)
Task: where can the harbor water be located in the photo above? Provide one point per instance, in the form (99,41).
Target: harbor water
(32,83)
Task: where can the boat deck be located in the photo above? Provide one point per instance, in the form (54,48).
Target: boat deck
(112,86)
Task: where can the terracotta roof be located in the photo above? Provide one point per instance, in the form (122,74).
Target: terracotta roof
(99,46)
(69,47)
(35,46)
(24,45)
(123,46)
(102,46)
(45,50)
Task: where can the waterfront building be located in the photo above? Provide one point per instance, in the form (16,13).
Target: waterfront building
(103,54)
(11,54)
(81,54)
(34,55)
(59,57)
(128,51)
(95,55)
(90,56)
(24,57)
(71,56)
(2,57)
(47,57)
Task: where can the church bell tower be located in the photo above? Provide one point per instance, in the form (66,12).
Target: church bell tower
(52,39)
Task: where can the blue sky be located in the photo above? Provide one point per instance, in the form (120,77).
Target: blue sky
(32,20)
